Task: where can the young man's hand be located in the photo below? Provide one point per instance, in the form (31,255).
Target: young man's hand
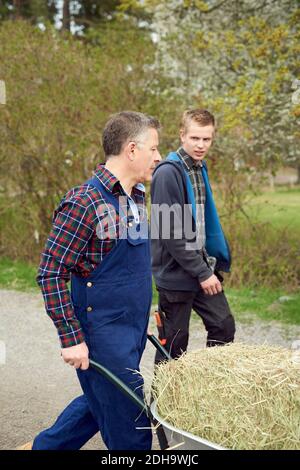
(211,286)
(76,356)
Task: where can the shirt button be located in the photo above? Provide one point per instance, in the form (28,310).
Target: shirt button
(89,309)
(130,224)
(89,284)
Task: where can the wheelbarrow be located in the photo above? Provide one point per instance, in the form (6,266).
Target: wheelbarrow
(168,436)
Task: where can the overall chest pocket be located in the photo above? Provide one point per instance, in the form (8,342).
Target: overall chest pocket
(138,256)
(138,248)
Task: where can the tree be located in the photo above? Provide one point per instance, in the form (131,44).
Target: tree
(87,14)
(92,13)
(239,59)
(60,91)
(76,15)
(33,10)
(66,19)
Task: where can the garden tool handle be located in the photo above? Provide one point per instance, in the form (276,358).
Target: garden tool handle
(159,346)
(160,328)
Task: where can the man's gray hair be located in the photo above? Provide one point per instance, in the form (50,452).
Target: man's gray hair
(124,127)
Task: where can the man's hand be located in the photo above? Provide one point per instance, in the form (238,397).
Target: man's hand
(77,356)
(212,285)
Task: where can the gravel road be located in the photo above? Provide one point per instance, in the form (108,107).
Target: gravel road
(36,384)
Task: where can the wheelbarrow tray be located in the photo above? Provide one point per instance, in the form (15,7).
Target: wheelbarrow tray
(182,440)
(168,435)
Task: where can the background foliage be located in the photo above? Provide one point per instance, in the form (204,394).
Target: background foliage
(68,65)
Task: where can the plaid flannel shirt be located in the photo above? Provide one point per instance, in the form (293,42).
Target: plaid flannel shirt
(84,230)
(195,174)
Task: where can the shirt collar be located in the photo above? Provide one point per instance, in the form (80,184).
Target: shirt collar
(140,187)
(111,183)
(187,159)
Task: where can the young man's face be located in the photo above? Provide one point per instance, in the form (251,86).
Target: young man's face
(147,156)
(197,140)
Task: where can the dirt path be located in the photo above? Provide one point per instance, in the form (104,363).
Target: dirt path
(36,384)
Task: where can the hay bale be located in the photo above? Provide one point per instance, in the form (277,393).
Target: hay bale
(238,396)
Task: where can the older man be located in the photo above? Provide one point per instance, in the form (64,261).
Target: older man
(99,239)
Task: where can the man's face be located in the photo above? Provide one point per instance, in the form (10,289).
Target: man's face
(197,140)
(147,156)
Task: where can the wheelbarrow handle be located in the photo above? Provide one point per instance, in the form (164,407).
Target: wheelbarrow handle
(121,385)
(163,442)
(118,383)
(159,346)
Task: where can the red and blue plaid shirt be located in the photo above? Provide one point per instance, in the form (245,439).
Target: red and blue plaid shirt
(84,231)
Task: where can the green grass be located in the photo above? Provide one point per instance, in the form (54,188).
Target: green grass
(246,304)
(17,275)
(155,294)
(280,208)
(265,304)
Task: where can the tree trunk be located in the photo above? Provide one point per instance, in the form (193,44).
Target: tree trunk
(17,8)
(66,21)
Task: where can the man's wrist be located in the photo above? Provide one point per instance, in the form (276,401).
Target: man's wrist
(203,277)
(69,339)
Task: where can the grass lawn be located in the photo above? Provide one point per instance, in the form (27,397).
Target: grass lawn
(17,275)
(280,207)
(265,304)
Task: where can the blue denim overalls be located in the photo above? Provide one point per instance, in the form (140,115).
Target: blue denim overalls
(113,305)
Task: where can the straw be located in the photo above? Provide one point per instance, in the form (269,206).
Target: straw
(238,396)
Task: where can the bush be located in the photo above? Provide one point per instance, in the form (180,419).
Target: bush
(60,92)
(263,256)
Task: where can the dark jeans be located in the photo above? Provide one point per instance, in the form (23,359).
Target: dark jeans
(175,311)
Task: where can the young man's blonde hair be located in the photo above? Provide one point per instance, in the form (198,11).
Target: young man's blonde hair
(200,116)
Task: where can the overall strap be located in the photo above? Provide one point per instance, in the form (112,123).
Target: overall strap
(107,195)
(111,199)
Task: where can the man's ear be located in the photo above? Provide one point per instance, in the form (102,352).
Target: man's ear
(130,148)
(181,135)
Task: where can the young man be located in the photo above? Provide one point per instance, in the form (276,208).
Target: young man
(99,240)
(186,260)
